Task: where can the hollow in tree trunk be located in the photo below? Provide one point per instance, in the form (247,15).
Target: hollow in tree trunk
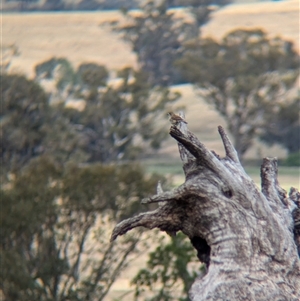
(248,239)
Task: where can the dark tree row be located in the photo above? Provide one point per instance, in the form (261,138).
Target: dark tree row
(115,123)
(54,202)
(90,5)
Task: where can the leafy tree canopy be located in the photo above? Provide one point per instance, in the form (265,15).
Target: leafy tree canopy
(92,75)
(168,275)
(58,68)
(8,52)
(157,36)
(31,127)
(119,119)
(24,109)
(245,77)
(284,127)
(57,214)
(55,224)
(125,118)
(240,53)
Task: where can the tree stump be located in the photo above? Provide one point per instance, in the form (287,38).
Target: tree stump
(248,239)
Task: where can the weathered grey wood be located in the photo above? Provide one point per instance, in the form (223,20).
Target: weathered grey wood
(249,239)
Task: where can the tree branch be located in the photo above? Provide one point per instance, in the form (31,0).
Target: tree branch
(167,218)
(269,183)
(231,153)
(117,270)
(294,196)
(181,193)
(196,148)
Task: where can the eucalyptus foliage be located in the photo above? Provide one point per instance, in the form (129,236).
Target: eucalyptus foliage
(170,271)
(158,33)
(56,221)
(246,77)
(121,116)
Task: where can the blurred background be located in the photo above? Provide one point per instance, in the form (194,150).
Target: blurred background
(85,90)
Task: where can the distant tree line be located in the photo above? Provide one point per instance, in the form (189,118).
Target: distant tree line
(62,5)
(90,5)
(247,78)
(56,222)
(116,122)
(64,176)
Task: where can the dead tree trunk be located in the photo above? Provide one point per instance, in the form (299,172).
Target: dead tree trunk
(248,239)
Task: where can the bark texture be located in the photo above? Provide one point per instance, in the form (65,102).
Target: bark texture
(249,239)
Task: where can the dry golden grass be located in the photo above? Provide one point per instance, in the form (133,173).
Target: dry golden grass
(80,38)
(277,18)
(75,36)
(203,121)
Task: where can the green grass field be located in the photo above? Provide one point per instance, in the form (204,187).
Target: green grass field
(288,176)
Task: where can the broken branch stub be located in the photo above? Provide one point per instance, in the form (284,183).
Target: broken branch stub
(248,239)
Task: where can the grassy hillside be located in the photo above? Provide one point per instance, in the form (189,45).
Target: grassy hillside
(80,37)
(276,17)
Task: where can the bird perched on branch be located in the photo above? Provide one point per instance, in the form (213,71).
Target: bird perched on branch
(175,119)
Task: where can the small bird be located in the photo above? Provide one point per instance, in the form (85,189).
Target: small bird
(175,119)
